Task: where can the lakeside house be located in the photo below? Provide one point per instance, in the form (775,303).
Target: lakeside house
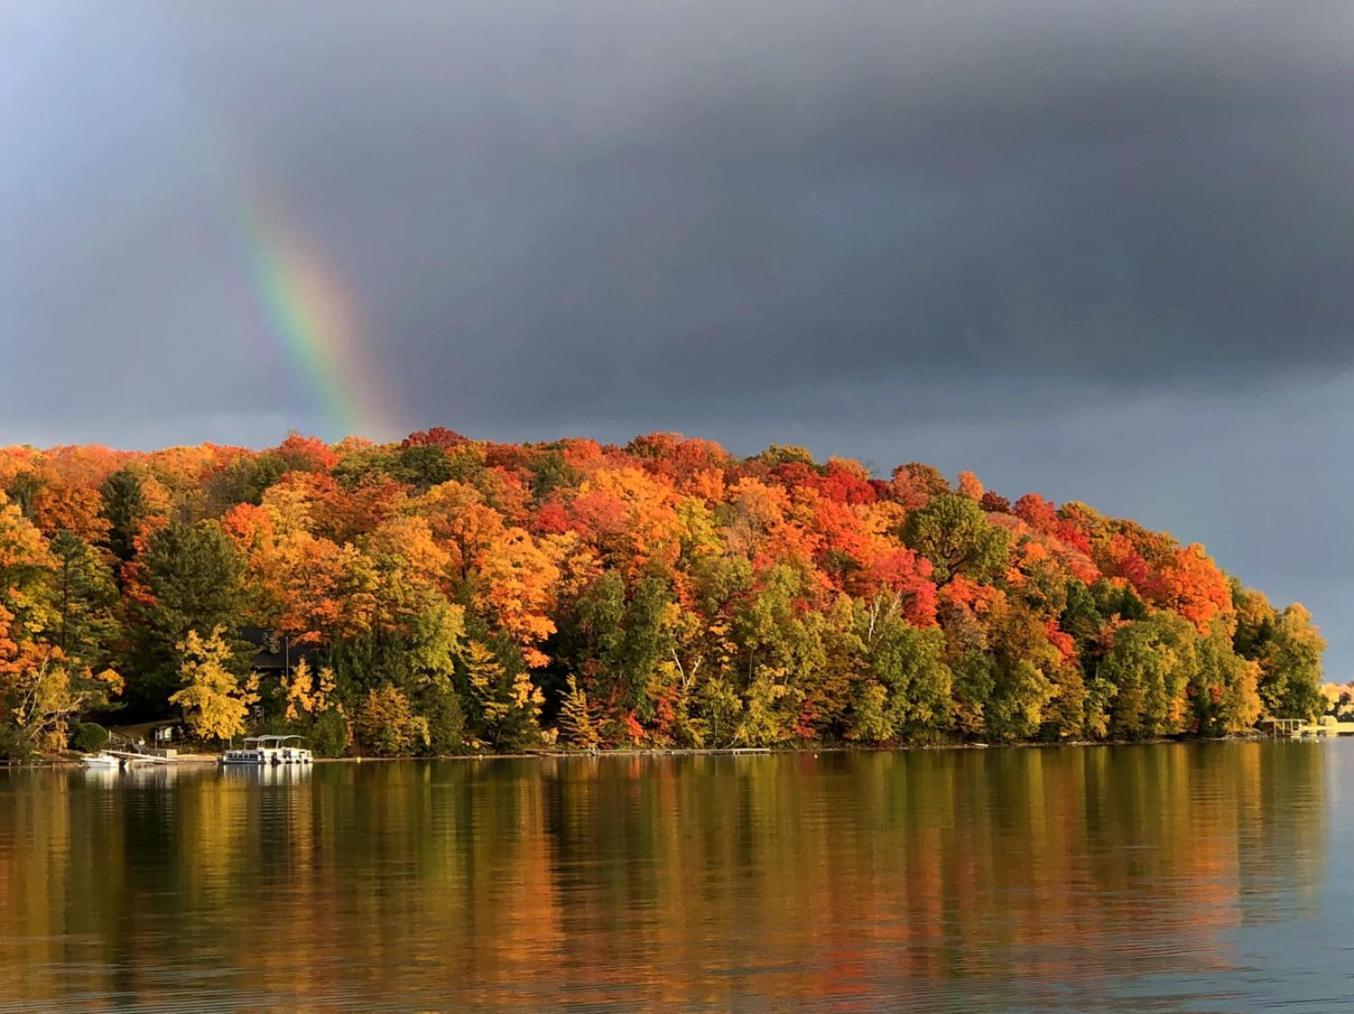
(275,654)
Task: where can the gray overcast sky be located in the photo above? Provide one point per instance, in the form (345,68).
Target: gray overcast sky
(1102,250)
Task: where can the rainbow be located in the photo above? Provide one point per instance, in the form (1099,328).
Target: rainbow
(307,311)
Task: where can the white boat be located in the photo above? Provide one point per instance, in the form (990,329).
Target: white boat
(290,751)
(101,760)
(265,751)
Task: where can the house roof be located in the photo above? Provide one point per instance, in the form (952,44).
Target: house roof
(271,649)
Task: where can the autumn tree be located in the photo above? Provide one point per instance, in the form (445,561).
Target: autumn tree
(720,708)
(387,725)
(1192,586)
(245,480)
(970,486)
(1255,621)
(1223,688)
(577,723)
(442,592)
(516,579)
(1290,680)
(215,702)
(509,704)
(764,721)
(1149,668)
(42,688)
(906,691)
(66,507)
(26,569)
(916,484)
(617,637)
(952,532)
(1035,691)
(305,691)
(42,692)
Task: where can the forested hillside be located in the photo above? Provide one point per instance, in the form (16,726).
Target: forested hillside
(445,594)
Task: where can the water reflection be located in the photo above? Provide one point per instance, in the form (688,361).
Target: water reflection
(273,774)
(106,777)
(1020,876)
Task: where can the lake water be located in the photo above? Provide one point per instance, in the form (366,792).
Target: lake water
(1204,876)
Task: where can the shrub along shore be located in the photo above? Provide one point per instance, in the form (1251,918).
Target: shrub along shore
(442,595)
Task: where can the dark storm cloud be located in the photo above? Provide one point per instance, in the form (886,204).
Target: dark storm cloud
(708,205)
(1098,248)
(704,208)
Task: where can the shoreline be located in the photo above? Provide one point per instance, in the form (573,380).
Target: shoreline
(202,760)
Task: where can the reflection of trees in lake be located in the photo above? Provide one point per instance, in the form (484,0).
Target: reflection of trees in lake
(693,879)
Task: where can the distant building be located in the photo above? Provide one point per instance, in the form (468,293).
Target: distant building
(275,654)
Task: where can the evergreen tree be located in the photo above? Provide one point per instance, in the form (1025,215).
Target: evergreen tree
(85,599)
(124,505)
(195,580)
(441,706)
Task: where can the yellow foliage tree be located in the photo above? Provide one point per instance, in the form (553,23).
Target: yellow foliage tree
(510,705)
(306,692)
(577,724)
(387,725)
(41,693)
(213,700)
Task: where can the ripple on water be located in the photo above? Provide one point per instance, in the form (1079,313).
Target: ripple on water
(1202,876)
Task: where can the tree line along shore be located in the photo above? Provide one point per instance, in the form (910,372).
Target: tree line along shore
(443,595)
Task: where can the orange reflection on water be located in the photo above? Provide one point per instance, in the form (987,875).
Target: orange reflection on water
(934,876)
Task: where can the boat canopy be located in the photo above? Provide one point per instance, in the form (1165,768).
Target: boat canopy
(265,740)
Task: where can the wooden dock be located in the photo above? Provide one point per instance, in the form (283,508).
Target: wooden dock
(129,758)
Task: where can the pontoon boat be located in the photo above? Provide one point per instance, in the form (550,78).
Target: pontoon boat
(262,751)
